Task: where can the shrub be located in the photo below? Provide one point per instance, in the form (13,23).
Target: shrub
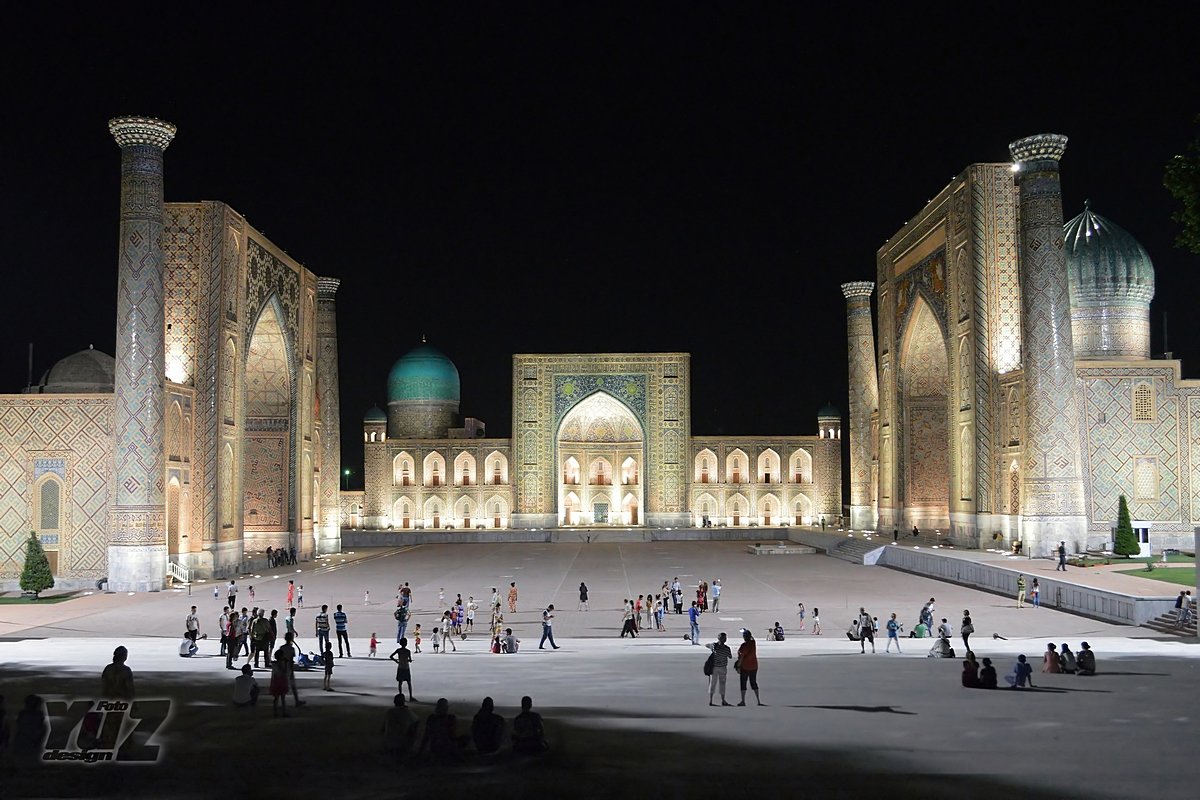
(1126,543)
(36,577)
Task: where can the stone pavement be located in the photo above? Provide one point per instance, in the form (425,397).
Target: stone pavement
(832,711)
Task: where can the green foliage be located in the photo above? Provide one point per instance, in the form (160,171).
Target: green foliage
(1181,177)
(36,576)
(1127,543)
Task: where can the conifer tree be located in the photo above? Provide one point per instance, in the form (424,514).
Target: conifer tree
(36,577)
(1126,543)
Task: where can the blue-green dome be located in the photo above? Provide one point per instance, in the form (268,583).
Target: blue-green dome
(424,374)
(1105,263)
(375,414)
(828,410)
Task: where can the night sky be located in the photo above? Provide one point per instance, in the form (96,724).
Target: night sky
(514,178)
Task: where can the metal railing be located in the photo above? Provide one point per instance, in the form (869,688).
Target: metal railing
(178,572)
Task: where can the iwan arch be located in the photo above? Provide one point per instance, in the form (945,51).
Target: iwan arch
(598,440)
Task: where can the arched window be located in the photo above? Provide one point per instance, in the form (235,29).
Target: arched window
(49,505)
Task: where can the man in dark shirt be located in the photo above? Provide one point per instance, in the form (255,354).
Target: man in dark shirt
(487,728)
(1062,557)
(529,737)
(343,632)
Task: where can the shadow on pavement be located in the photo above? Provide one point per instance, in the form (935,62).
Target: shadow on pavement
(331,747)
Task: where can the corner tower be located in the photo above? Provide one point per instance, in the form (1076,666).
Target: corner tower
(137,550)
(864,401)
(1053,500)
(328,533)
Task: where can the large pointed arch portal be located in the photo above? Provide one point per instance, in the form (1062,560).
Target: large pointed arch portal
(924,399)
(268,513)
(602,433)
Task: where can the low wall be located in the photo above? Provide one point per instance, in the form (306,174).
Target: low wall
(370,538)
(1098,603)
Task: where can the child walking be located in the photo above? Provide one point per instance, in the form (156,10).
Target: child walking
(366,597)
(437,635)
(417,638)
(251,592)
(300,596)
(374,644)
(801,614)
(327,660)
(816,621)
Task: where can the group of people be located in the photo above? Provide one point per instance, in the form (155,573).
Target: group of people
(441,738)
(716,667)
(278,557)
(1054,661)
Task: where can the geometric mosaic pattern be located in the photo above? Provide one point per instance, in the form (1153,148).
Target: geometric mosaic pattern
(864,392)
(68,434)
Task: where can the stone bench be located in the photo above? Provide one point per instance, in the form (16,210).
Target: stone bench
(780,549)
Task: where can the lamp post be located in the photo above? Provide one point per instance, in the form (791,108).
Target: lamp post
(345,480)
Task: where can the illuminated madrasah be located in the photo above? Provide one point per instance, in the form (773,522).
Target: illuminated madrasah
(598,439)
(1009,392)
(209,433)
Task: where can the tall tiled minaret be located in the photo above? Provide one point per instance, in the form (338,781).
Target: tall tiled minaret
(328,529)
(137,549)
(1052,504)
(864,400)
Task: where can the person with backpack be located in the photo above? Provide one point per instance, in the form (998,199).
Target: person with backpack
(716,667)
(260,638)
(401,617)
(322,628)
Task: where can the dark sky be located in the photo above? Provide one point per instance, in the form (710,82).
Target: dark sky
(509,178)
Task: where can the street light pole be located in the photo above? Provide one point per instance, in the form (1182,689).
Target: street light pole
(345,480)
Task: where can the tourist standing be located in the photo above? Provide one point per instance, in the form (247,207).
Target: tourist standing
(1062,557)
(401,617)
(300,595)
(866,630)
(747,666)
(231,590)
(720,667)
(512,597)
(340,627)
(677,594)
(403,658)
(716,594)
(288,652)
(1020,591)
(816,617)
(547,627)
(1035,593)
(281,678)
(223,628)
(893,633)
(966,628)
(289,624)
(583,597)
(471,608)
(694,621)
(327,662)
(801,614)
(191,625)
(322,628)
(274,623)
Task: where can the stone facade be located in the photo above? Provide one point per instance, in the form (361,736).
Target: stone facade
(598,439)
(224,455)
(968,442)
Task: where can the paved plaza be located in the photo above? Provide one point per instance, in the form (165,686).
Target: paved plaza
(629,717)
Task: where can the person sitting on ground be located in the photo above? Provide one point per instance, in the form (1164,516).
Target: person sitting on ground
(510,643)
(245,688)
(941,648)
(1022,673)
(487,728)
(116,681)
(1085,662)
(852,631)
(441,737)
(1050,659)
(970,674)
(529,736)
(777,632)
(187,648)
(987,675)
(1066,659)
(919,632)
(400,728)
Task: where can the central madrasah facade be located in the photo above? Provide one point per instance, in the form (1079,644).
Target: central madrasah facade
(1004,392)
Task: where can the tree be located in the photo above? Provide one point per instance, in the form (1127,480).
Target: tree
(1182,179)
(1127,543)
(36,577)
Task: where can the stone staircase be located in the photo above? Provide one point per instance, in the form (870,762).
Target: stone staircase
(1165,623)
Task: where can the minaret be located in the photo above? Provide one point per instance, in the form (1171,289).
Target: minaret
(328,528)
(864,400)
(1052,506)
(137,549)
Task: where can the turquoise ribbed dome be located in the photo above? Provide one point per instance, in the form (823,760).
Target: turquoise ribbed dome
(424,374)
(375,414)
(1105,263)
(828,410)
